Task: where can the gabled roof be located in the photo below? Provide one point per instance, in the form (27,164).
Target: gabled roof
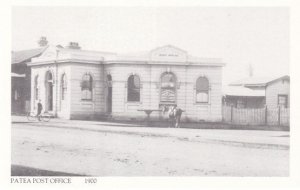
(26,55)
(257,81)
(243,91)
(161,55)
(168,53)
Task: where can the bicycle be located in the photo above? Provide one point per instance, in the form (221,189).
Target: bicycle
(32,116)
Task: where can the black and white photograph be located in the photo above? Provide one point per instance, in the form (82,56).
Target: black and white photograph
(150,91)
(149,95)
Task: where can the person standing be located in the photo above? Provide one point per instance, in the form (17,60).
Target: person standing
(39,110)
(178,113)
(172,118)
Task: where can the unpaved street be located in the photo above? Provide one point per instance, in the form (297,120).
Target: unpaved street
(108,149)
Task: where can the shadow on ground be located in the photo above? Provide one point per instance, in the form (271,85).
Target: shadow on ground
(19,122)
(17,170)
(190,125)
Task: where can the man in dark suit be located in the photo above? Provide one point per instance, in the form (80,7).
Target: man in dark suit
(39,110)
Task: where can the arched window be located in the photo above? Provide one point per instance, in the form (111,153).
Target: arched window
(202,89)
(63,86)
(133,89)
(36,87)
(168,88)
(87,87)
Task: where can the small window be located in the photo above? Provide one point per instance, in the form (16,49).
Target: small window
(63,86)
(133,89)
(282,101)
(202,90)
(87,87)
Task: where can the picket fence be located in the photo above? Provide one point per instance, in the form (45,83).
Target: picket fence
(256,116)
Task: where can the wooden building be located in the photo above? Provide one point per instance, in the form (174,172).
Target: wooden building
(258,92)
(77,84)
(21,79)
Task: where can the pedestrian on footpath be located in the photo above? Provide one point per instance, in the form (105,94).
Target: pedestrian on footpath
(177,113)
(172,118)
(39,110)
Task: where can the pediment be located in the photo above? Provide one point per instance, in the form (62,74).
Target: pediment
(168,53)
(49,53)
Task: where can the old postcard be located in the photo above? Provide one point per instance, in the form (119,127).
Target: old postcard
(100,92)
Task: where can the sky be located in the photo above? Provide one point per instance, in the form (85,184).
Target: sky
(257,36)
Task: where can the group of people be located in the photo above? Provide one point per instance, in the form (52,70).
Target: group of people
(174,116)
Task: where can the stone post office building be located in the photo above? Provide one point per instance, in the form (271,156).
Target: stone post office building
(73,83)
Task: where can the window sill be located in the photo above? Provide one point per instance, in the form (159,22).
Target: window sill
(133,102)
(86,100)
(202,103)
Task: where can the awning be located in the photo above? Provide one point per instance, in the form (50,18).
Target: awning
(243,91)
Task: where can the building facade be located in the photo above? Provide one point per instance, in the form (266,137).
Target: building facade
(21,79)
(259,92)
(278,93)
(77,84)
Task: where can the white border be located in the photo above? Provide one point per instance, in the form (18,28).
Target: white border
(292,182)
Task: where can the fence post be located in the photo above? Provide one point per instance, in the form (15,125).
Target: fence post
(279,115)
(266,115)
(231,113)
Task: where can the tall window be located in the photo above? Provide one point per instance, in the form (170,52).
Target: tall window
(202,89)
(63,86)
(87,87)
(36,87)
(168,88)
(282,100)
(133,89)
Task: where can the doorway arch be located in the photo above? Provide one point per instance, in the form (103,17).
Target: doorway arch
(168,87)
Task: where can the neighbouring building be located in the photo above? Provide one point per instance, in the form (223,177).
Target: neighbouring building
(258,92)
(21,77)
(77,84)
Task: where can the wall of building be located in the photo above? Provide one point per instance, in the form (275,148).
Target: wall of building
(73,107)
(22,86)
(64,105)
(18,91)
(150,91)
(211,111)
(86,109)
(274,89)
(121,108)
(60,107)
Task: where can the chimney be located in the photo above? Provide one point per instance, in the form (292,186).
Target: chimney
(73,45)
(43,41)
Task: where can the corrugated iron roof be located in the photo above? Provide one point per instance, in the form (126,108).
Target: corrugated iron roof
(24,55)
(257,81)
(243,91)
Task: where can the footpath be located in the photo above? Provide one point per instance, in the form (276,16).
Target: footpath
(232,137)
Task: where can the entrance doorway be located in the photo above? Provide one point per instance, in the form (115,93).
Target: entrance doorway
(49,91)
(109,94)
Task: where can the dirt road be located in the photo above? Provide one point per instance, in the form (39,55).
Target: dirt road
(99,149)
